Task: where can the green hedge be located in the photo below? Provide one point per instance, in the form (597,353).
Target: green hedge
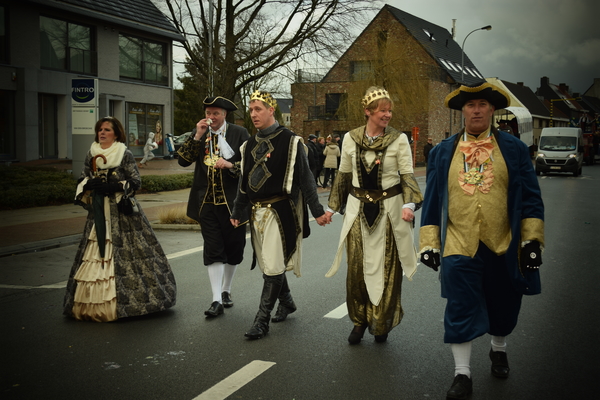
(165,183)
(24,187)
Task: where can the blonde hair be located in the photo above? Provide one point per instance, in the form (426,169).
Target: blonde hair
(375,104)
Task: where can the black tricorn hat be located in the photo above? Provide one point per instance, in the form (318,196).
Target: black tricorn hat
(220,102)
(482,90)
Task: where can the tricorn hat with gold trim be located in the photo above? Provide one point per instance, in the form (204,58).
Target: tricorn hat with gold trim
(482,90)
(220,102)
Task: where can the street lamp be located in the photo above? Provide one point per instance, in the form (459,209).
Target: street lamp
(462,63)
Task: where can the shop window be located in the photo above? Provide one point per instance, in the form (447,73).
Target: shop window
(66,46)
(143,119)
(143,60)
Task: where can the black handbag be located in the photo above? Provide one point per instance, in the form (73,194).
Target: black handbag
(127,205)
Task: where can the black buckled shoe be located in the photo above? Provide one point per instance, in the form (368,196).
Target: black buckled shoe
(357,334)
(283,311)
(257,331)
(500,367)
(461,388)
(215,310)
(226,298)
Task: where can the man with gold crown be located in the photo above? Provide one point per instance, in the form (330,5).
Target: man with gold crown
(482,224)
(277,184)
(214,147)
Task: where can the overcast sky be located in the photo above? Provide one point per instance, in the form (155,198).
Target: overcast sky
(529,39)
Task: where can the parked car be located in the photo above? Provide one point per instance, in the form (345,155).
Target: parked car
(179,140)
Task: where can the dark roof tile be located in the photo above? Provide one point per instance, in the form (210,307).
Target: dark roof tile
(438,42)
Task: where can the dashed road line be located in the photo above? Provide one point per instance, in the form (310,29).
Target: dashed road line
(235,381)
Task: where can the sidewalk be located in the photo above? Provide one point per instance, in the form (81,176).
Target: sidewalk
(41,228)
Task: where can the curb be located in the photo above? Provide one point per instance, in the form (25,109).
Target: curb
(175,227)
(40,245)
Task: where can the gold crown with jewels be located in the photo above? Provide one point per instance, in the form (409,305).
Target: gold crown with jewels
(265,97)
(375,95)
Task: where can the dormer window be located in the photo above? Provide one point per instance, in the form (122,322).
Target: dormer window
(429,35)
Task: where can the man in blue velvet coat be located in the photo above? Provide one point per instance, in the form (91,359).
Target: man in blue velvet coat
(483,223)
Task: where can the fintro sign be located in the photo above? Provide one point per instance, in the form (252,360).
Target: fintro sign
(83,92)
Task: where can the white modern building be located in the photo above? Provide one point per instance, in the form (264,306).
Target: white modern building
(123,47)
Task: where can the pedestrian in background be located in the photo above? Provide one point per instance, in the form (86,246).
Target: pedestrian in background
(214,146)
(320,147)
(120,269)
(427,148)
(277,184)
(332,154)
(377,191)
(483,223)
(149,147)
(313,154)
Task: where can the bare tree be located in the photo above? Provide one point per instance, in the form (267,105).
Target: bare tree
(248,40)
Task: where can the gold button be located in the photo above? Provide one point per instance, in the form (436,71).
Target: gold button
(479,205)
(385,193)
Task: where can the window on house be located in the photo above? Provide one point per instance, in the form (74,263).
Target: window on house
(66,46)
(335,104)
(3,35)
(143,60)
(361,70)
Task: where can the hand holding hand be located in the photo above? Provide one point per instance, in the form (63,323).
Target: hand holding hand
(323,219)
(531,256)
(431,259)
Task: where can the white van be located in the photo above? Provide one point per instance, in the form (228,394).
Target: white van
(560,150)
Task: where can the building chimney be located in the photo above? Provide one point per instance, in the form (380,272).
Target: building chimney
(520,83)
(545,81)
(453,28)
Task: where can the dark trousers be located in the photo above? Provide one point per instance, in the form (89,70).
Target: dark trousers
(480,296)
(222,241)
(329,172)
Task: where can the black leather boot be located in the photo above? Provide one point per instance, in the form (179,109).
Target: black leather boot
(271,289)
(286,303)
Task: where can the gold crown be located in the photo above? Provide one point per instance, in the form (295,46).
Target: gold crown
(375,95)
(264,97)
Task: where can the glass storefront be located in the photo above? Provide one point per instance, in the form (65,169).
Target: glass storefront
(141,120)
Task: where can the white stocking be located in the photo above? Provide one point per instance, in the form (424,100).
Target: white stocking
(462,358)
(215,275)
(228,277)
(499,343)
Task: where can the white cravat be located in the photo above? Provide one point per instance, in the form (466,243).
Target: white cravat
(226,150)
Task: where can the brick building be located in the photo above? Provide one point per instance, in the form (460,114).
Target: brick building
(418,62)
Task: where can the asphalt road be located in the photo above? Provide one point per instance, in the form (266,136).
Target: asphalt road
(177,354)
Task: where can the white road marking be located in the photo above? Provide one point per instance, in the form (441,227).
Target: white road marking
(338,313)
(184,252)
(235,381)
